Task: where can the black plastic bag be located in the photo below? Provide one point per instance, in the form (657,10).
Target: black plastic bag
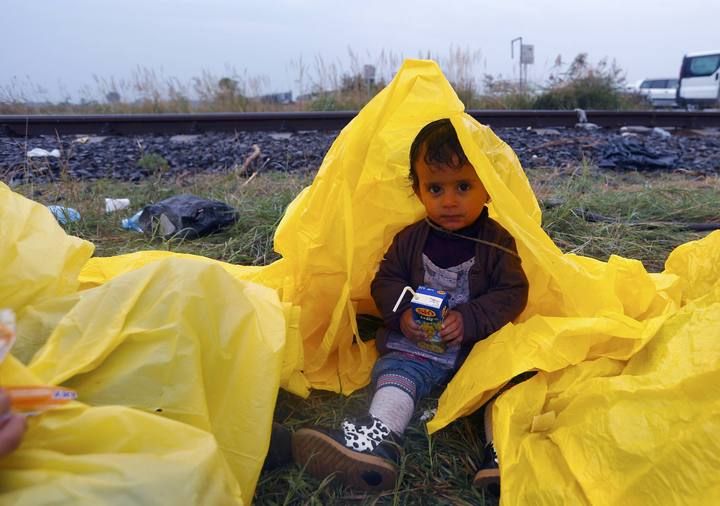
(186,216)
(628,152)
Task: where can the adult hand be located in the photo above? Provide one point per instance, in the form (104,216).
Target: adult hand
(409,327)
(453,329)
(12,426)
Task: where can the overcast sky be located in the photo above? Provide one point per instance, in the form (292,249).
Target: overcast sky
(60,45)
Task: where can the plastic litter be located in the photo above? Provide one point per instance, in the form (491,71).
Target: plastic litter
(64,215)
(635,129)
(186,216)
(587,126)
(632,152)
(132,223)
(581,115)
(661,132)
(39,152)
(112,205)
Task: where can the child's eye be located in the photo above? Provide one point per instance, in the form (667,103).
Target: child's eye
(463,187)
(434,189)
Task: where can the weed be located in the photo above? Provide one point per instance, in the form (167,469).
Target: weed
(154,164)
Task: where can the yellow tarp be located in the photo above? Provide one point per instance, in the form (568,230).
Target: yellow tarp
(196,353)
(604,336)
(641,431)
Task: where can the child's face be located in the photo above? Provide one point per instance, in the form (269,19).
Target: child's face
(453,198)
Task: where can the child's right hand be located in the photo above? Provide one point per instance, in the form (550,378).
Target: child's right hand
(409,327)
(12,426)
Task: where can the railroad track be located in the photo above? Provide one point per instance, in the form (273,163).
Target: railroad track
(136,124)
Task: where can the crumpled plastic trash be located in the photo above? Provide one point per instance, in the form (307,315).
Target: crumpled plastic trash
(112,205)
(132,223)
(629,152)
(661,133)
(39,152)
(64,215)
(186,216)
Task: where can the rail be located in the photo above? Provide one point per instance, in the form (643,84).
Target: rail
(136,124)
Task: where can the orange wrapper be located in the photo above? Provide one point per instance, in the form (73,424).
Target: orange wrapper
(33,398)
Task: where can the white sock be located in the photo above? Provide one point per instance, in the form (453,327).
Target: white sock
(393,407)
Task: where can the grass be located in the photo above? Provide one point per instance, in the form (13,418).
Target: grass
(260,204)
(320,84)
(435,470)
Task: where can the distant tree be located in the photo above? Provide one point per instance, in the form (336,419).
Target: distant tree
(113,97)
(229,96)
(228,86)
(583,85)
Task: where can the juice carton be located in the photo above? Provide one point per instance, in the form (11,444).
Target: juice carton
(429,307)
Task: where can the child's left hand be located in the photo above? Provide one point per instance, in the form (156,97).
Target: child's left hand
(453,328)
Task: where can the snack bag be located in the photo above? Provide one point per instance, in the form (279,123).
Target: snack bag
(32,399)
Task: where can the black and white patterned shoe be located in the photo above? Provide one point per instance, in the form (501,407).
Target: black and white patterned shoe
(363,454)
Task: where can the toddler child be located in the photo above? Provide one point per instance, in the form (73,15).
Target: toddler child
(456,248)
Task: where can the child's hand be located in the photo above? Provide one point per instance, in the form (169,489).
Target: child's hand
(12,427)
(409,327)
(453,328)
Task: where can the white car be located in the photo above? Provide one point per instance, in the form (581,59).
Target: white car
(660,92)
(700,80)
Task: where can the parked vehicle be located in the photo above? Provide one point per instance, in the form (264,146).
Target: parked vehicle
(660,92)
(699,85)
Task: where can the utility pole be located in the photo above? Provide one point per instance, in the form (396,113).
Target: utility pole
(512,56)
(526,57)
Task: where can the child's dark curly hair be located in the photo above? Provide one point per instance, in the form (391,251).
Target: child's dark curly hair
(442,148)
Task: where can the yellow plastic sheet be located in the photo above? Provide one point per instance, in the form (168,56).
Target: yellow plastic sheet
(196,353)
(99,270)
(111,455)
(642,431)
(35,247)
